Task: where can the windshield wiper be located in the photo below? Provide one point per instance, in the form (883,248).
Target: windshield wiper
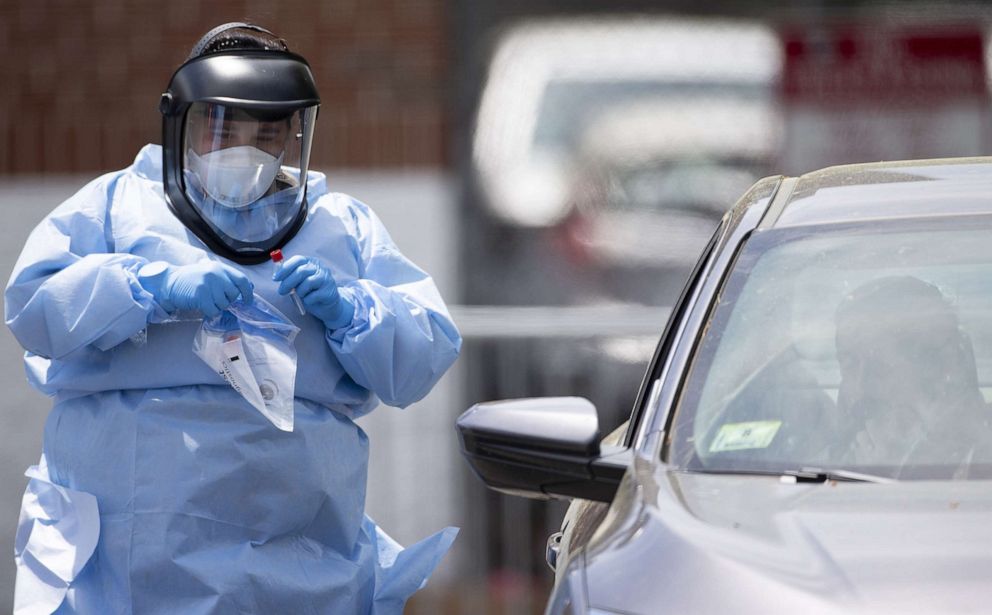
(817,475)
(807,475)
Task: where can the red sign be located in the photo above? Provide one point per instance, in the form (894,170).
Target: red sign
(901,65)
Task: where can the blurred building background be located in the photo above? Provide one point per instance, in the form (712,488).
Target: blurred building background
(555,164)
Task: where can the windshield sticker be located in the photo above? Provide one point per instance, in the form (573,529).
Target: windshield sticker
(743,436)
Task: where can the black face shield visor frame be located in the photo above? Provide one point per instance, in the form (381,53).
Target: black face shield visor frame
(263,81)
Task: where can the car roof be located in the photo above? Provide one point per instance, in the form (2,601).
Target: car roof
(884,190)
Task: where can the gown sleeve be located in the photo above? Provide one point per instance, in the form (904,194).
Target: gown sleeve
(69,289)
(401,339)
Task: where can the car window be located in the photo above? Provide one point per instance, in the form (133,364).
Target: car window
(868,349)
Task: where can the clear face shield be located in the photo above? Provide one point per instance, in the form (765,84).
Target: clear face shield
(244,170)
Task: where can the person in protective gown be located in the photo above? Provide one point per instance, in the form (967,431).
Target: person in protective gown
(160,488)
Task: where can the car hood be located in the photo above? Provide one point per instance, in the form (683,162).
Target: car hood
(743,544)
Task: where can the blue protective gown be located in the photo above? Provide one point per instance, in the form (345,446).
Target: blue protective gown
(199,503)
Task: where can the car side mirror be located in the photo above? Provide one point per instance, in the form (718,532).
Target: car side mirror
(541,447)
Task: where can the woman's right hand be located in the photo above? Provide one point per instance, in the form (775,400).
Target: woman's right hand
(208,286)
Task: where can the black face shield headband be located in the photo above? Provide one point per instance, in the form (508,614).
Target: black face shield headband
(262,83)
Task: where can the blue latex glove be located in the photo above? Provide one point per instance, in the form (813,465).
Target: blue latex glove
(208,287)
(316,287)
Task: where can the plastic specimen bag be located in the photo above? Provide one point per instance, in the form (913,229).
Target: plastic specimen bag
(251,346)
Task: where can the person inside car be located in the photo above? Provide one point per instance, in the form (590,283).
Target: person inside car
(909,385)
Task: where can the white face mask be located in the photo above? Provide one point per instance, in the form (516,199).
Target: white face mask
(235,176)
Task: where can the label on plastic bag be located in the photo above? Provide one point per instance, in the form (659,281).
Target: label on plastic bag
(235,368)
(743,436)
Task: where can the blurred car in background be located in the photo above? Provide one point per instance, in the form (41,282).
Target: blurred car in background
(653,179)
(814,433)
(549,79)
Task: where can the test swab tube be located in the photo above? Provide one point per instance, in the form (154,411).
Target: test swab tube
(276,256)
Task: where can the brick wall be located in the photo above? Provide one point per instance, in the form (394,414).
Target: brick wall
(81,80)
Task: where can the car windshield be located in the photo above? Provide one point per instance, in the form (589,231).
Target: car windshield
(867,349)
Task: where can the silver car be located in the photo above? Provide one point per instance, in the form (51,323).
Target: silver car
(813,434)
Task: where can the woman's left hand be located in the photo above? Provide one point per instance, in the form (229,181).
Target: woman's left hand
(317,289)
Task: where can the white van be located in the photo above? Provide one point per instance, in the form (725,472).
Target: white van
(549,79)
